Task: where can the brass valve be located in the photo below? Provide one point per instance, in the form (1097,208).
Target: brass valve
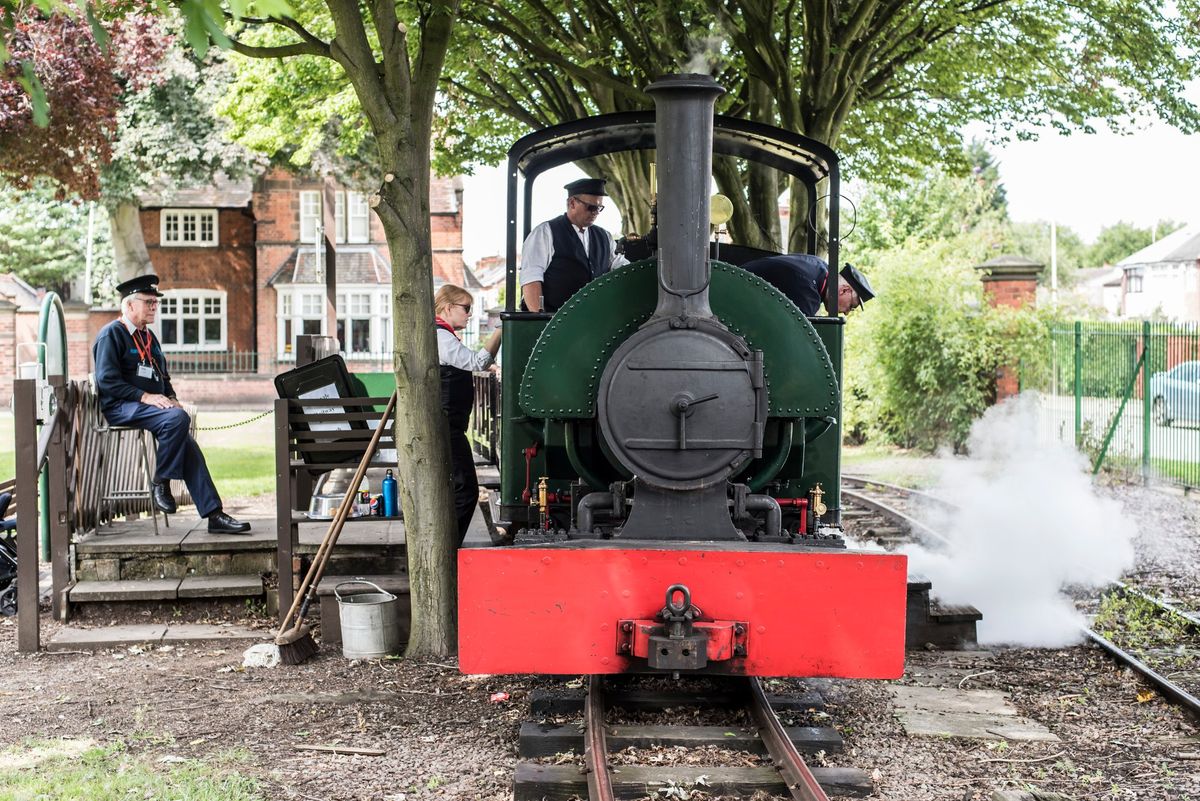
(818,505)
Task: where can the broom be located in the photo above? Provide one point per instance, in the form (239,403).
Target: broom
(294,639)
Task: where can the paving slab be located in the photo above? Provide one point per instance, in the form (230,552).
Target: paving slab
(976,726)
(140,540)
(184,633)
(133,590)
(260,538)
(942,699)
(73,638)
(220,586)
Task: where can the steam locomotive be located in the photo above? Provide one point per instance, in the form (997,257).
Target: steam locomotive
(670,443)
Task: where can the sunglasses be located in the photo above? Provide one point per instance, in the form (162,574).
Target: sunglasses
(464,306)
(593,208)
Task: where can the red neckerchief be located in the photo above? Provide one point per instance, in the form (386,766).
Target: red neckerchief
(144,349)
(440,323)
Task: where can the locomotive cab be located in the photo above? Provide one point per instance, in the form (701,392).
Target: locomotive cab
(670,443)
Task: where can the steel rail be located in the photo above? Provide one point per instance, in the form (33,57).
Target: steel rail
(1168,688)
(863,481)
(915,526)
(1160,603)
(801,783)
(595,749)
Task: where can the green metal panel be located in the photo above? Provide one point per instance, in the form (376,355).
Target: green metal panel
(517,430)
(823,457)
(565,365)
(373,385)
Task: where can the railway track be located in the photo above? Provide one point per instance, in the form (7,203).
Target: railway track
(1158,637)
(736,741)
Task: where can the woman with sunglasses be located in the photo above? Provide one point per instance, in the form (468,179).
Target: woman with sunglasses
(452,307)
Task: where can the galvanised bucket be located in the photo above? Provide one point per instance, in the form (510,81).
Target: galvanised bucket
(370,622)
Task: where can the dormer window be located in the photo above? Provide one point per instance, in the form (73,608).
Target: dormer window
(188,228)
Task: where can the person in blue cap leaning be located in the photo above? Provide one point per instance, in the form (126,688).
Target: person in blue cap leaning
(802,278)
(135,390)
(561,255)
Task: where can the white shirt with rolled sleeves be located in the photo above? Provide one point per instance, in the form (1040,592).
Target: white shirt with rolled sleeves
(453,353)
(539,249)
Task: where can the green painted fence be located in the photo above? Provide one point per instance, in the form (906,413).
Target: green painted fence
(1128,395)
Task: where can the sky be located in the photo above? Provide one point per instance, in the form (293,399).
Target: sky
(1081,181)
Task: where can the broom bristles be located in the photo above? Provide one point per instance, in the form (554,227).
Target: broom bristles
(296,645)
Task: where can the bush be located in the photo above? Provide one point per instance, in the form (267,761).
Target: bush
(922,360)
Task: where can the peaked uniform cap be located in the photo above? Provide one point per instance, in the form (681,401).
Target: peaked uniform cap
(862,287)
(587,186)
(141,285)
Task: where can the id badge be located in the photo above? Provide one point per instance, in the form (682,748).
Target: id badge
(145,371)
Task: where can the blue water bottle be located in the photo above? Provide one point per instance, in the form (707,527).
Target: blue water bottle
(390,499)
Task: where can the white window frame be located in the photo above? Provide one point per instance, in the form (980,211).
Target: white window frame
(174,299)
(379,313)
(351,217)
(358,219)
(198,217)
(295,304)
(310,215)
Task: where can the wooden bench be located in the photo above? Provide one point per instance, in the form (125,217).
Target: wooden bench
(313,437)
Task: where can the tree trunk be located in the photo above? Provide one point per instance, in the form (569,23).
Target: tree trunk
(422,442)
(129,246)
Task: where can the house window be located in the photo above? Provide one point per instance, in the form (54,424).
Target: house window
(355,323)
(300,312)
(1133,281)
(188,228)
(310,216)
(352,220)
(192,319)
(358,223)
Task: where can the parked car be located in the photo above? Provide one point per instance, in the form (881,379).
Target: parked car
(1176,394)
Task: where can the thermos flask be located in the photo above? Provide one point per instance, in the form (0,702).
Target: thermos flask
(390,497)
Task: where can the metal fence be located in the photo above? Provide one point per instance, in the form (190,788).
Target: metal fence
(1128,395)
(205,362)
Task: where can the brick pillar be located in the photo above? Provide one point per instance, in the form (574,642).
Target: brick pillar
(79,339)
(1011,282)
(8,350)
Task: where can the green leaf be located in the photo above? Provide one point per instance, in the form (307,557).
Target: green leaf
(98,33)
(37,94)
(195,29)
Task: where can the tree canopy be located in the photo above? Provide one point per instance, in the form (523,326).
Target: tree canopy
(888,84)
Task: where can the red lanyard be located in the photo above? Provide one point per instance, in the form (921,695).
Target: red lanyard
(145,354)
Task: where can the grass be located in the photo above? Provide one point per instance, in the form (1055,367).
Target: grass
(242,472)
(8,447)
(66,770)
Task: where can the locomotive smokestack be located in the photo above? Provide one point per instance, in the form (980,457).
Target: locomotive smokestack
(684,135)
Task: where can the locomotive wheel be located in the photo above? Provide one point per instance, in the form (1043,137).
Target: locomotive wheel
(1159,412)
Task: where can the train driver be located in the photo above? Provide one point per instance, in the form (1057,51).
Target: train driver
(561,255)
(802,278)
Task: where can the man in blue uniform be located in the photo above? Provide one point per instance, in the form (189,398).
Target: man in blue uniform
(135,390)
(562,255)
(802,278)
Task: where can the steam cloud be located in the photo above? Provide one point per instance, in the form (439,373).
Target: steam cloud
(1029,523)
(705,55)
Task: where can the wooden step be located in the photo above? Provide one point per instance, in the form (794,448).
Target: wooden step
(539,740)
(536,782)
(566,701)
(166,589)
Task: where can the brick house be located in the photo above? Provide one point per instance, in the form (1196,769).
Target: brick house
(243,276)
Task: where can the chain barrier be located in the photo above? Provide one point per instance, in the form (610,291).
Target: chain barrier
(235,425)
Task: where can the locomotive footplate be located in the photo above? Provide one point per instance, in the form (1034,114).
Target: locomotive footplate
(681,641)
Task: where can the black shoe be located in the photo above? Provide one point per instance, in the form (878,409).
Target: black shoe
(161,492)
(221,523)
